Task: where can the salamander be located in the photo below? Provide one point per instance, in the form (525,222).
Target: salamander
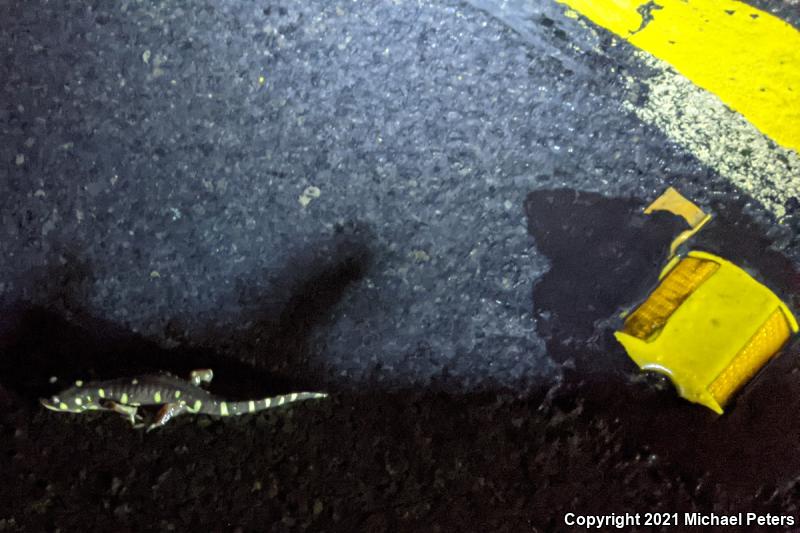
(176,396)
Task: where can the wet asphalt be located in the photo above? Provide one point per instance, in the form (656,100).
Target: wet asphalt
(430,210)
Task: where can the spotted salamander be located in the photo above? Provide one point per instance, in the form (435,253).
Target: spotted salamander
(175,395)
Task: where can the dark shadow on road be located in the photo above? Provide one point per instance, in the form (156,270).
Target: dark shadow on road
(62,340)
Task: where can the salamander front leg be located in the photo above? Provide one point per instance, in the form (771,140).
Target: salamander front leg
(128,411)
(200,376)
(167,412)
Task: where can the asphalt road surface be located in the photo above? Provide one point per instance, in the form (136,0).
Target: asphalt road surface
(430,210)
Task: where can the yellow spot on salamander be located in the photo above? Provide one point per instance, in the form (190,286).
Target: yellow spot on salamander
(63,406)
(293,397)
(267,402)
(177,394)
(223,409)
(101,393)
(251,406)
(79,383)
(281,399)
(78,401)
(197,405)
(124,398)
(157,397)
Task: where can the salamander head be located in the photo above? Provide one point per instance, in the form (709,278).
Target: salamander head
(76,399)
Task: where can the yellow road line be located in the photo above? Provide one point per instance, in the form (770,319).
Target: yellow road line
(748,58)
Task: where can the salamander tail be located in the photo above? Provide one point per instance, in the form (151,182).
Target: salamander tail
(254,406)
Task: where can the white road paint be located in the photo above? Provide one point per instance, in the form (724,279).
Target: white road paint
(719,137)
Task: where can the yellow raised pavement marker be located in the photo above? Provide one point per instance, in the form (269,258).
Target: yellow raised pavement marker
(708,324)
(747,57)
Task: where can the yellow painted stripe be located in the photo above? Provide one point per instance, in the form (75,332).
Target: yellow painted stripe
(747,57)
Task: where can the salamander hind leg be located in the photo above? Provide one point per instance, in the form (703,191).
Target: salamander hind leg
(166,413)
(200,376)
